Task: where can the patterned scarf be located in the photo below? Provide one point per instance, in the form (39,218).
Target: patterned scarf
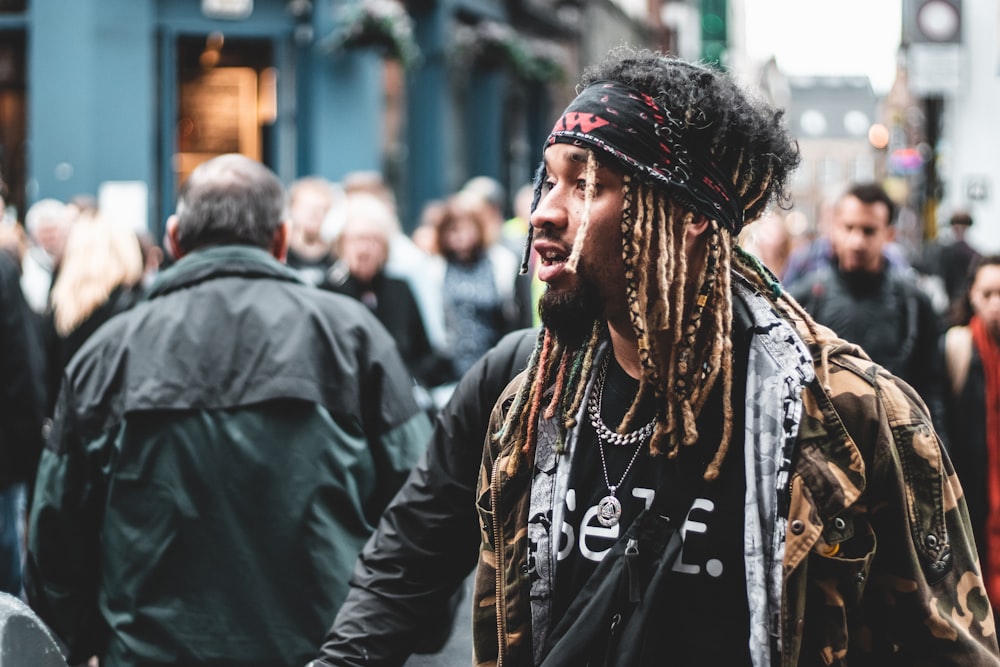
(632,128)
(989,352)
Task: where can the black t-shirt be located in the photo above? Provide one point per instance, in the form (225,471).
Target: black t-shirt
(705,614)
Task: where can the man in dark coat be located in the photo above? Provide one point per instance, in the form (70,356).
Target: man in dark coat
(868,302)
(220,452)
(22,406)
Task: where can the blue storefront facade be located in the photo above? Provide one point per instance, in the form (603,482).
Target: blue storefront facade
(97,92)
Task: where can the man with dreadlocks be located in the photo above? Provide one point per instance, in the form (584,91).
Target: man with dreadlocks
(674,385)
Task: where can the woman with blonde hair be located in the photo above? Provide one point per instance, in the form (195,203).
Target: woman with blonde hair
(99,277)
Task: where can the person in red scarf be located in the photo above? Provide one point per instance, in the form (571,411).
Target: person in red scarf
(972,353)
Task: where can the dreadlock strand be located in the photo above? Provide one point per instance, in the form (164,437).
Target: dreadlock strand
(725,325)
(583,364)
(673,288)
(512,418)
(665,265)
(633,212)
(703,338)
(535,406)
(636,235)
(517,420)
(533,385)
(688,422)
(636,249)
(550,409)
(740,178)
(679,284)
(590,178)
(526,252)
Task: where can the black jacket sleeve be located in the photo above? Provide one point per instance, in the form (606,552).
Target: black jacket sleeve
(427,540)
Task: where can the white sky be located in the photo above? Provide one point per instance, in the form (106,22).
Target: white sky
(827,37)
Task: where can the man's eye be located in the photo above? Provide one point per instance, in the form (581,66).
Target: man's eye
(547,185)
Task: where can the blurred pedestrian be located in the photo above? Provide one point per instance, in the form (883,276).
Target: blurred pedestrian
(100,276)
(362,251)
(477,279)
(22,408)
(950,261)
(866,302)
(972,356)
(809,256)
(220,452)
(14,241)
(311,200)
(406,259)
(47,223)
(425,234)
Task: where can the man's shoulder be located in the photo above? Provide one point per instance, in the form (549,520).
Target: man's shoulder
(907,280)
(491,376)
(861,390)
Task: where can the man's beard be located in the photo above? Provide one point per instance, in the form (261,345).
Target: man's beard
(570,314)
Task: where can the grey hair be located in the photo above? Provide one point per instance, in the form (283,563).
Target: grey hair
(230,199)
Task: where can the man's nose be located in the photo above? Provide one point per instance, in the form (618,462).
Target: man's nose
(551,210)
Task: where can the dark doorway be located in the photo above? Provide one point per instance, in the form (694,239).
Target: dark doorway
(226,99)
(13,127)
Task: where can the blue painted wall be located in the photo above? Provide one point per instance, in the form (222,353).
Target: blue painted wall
(102,94)
(90,115)
(101,99)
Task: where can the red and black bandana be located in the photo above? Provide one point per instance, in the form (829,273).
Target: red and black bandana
(633,129)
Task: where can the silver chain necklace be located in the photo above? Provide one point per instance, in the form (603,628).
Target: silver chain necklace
(609,508)
(604,433)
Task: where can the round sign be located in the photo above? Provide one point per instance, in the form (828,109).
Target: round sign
(938,20)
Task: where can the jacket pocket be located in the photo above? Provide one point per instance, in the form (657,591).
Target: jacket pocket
(922,463)
(837,575)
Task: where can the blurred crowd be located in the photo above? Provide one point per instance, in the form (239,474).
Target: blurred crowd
(450,290)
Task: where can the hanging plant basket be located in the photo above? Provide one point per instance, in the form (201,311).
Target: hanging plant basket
(497,45)
(381,24)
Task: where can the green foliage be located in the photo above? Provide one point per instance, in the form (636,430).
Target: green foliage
(382,24)
(492,44)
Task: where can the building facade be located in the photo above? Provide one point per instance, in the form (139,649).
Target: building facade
(125,97)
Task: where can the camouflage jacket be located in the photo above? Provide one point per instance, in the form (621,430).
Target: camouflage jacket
(860,549)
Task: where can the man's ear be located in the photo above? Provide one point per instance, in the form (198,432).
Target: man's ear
(279,243)
(892,233)
(171,239)
(697,228)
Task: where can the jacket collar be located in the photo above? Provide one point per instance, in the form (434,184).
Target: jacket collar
(219,261)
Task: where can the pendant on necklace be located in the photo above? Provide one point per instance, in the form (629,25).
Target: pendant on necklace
(609,511)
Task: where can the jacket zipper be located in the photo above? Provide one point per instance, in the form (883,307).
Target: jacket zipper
(631,569)
(498,558)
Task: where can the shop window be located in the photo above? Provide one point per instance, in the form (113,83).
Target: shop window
(226,99)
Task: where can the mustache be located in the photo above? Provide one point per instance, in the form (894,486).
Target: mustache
(548,233)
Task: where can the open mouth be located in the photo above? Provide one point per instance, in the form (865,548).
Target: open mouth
(552,261)
(550,257)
